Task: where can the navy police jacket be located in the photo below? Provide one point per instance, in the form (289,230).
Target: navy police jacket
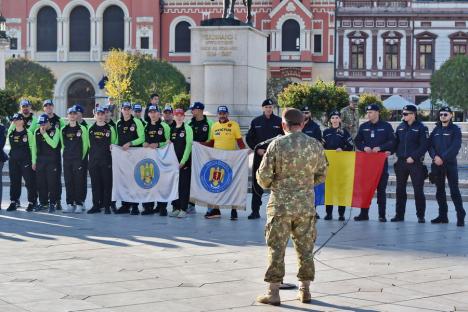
(373,135)
(334,138)
(445,142)
(262,129)
(411,141)
(313,130)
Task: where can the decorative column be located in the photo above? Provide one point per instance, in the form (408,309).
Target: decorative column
(60,49)
(340,49)
(97,45)
(93,55)
(409,49)
(32,39)
(374,50)
(128,34)
(65,49)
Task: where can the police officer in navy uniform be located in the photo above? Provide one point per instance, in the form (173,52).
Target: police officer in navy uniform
(311,128)
(262,128)
(376,136)
(410,148)
(444,144)
(336,138)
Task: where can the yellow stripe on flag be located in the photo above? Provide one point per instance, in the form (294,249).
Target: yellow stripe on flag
(340,178)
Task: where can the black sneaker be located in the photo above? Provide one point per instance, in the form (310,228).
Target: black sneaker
(113,207)
(163,212)
(421,220)
(40,207)
(147,211)
(361,218)
(317,217)
(461,222)
(58,206)
(30,207)
(341,218)
(253,216)
(135,211)
(328,217)
(233,214)
(440,219)
(122,210)
(397,219)
(382,219)
(13,206)
(214,213)
(107,210)
(157,209)
(51,208)
(94,210)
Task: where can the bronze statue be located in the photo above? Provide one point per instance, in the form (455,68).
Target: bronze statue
(228,12)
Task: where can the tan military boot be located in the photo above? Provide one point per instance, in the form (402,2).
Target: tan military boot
(304,293)
(272,297)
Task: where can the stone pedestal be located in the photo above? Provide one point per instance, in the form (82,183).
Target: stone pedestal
(4,44)
(229,67)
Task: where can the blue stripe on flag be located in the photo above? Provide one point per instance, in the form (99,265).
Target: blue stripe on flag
(319,194)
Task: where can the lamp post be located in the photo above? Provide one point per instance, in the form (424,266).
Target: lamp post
(4,44)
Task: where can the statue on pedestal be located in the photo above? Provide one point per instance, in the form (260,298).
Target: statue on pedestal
(228,12)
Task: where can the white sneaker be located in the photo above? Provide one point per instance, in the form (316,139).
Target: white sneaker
(191,209)
(69,209)
(174,213)
(182,214)
(79,209)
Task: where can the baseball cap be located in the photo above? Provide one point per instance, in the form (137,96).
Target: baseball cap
(410,108)
(43,119)
(72,110)
(126,105)
(100,109)
(179,111)
(25,102)
(79,108)
(16,116)
(197,105)
(47,102)
(223,109)
(153,108)
(167,108)
(373,107)
(137,108)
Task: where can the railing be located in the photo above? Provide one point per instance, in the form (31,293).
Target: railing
(374,4)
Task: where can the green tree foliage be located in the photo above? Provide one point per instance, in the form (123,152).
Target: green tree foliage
(151,75)
(275,86)
(28,79)
(321,97)
(370,98)
(450,83)
(8,104)
(181,100)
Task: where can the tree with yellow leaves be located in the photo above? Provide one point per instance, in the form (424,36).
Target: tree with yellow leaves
(119,67)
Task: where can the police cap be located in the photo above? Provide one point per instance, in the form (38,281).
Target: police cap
(373,107)
(334,113)
(410,108)
(305,109)
(267,102)
(446,109)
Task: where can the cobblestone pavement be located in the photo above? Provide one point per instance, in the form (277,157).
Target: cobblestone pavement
(128,263)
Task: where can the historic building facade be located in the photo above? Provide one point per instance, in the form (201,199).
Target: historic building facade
(393,46)
(72,37)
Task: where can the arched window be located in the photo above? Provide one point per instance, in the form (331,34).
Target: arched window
(81,92)
(182,37)
(46,30)
(290,36)
(80,29)
(113,28)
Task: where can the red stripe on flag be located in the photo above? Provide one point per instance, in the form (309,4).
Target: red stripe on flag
(367,171)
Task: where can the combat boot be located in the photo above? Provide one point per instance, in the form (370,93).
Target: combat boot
(304,293)
(272,297)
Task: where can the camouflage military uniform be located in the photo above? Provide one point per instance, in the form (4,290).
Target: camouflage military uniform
(291,166)
(350,120)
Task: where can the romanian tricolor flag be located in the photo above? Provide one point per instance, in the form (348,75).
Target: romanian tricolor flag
(352,178)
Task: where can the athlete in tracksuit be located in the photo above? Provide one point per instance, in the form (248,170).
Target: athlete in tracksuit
(157,134)
(130,133)
(20,163)
(74,139)
(79,114)
(46,162)
(182,138)
(101,136)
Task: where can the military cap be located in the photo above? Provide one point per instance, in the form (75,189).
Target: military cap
(43,119)
(373,107)
(446,109)
(197,105)
(410,108)
(354,98)
(267,102)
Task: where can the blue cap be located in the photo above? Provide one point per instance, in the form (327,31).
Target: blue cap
(43,119)
(72,110)
(100,109)
(373,107)
(16,116)
(197,105)
(167,108)
(104,107)
(47,102)
(223,109)
(153,108)
(126,105)
(25,102)
(79,108)
(137,108)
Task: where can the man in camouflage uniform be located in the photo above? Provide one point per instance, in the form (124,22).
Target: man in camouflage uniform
(350,116)
(290,210)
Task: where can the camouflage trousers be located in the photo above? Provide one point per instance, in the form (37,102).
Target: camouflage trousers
(303,233)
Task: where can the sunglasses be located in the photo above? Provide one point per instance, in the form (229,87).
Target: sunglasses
(443,114)
(306,113)
(406,114)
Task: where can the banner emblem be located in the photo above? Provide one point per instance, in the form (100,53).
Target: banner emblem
(216,176)
(146,173)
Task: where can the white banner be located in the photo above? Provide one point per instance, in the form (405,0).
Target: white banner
(219,177)
(143,175)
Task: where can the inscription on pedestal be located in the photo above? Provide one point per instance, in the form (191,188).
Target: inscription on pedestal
(218,43)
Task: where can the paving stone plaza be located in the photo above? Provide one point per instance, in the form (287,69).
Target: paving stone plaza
(100,263)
